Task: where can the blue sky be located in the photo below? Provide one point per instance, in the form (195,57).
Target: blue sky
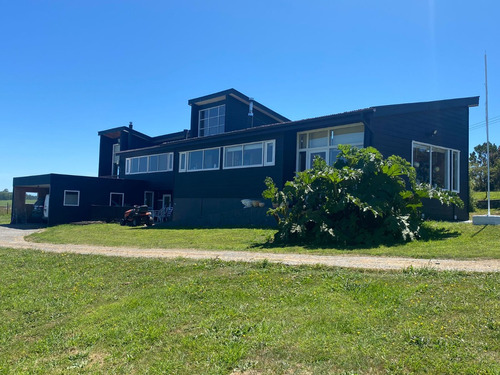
(72,68)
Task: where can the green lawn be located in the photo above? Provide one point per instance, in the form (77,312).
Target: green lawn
(4,213)
(441,240)
(482,195)
(77,314)
(4,203)
(4,216)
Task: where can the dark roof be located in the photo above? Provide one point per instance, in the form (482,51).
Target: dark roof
(115,132)
(221,95)
(340,118)
(384,110)
(171,136)
(356,115)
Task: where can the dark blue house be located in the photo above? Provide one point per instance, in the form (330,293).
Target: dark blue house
(234,142)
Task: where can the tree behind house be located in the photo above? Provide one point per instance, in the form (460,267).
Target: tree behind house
(478,168)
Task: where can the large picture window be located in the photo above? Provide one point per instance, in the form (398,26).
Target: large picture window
(150,163)
(436,166)
(255,154)
(199,160)
(211,121)
(324,143)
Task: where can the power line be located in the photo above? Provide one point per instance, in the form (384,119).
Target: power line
(482,124)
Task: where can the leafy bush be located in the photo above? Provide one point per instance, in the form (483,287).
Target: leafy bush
(362,199)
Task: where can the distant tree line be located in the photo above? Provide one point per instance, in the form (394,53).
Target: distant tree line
(5,195)
(478,168)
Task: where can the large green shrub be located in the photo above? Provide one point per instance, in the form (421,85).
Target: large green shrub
(362,199)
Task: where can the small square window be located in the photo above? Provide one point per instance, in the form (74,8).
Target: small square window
(116,199)
(71,198)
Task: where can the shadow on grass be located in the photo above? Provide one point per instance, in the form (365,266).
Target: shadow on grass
(427,233)
(172,225)
(436,234)
(24,226)
(479,231)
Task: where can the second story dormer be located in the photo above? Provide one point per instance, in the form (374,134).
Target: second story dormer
(227,111)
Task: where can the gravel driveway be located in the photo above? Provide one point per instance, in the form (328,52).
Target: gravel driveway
(13,237)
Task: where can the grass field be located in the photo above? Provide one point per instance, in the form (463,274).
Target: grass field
(4,217)
(64,314)
(440,240)
(482,195)
(5,210)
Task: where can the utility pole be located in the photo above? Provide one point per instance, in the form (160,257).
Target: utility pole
(487,129)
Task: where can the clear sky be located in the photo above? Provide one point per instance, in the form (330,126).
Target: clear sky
(70,68)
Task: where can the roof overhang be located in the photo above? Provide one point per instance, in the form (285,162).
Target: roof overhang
(222,95)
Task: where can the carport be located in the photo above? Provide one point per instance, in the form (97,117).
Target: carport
(21,211)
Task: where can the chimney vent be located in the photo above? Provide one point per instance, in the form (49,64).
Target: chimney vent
(250,111)
(130,126)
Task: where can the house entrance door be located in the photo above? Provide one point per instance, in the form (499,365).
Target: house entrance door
(167,200)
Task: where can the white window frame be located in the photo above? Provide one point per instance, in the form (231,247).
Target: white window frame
(449,172)
(115,158)
(182,159)
(170,163)
(264,163)
(312,150)
(71,191)
(115,193)
(452,171)
(207,118)
(273,155)
(186,160)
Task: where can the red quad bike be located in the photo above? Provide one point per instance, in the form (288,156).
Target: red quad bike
(139,215)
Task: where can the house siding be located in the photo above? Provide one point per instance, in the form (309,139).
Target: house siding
(94,191)
(393,135)
(213,197)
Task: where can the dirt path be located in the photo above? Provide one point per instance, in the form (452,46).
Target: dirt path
(14,238)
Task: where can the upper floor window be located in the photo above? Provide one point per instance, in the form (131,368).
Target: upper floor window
(437,166)
(199,160)
(324,143)
(212,120)
(255,154)
(115,161)
(150,163)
